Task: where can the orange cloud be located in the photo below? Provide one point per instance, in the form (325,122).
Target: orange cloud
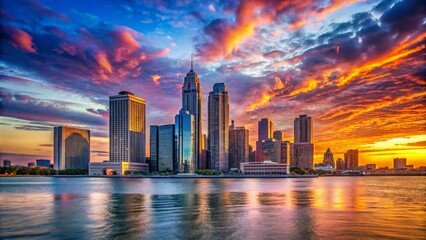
(155,79)
(103,62)
(19,38)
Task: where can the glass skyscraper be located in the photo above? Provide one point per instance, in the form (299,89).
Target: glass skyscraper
(162,147)
(185,142)
(71,148)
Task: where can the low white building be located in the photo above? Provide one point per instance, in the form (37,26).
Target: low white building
(264,168)
(116,168)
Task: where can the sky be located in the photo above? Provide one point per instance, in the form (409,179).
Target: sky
(356,67)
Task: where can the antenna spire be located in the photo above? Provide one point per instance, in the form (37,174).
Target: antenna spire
(192,61)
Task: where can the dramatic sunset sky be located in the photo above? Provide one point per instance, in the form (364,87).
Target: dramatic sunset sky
(356,67)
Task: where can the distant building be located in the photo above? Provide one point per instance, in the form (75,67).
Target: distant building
(323,167)
(279,135)
(370,167)
(340,164)
(276,151)
(218,127)
(185,142)
(238,146)
(71,148)
(303,150)
(127,128)
(351,159)
(252,153)
(43,163)
(399,163)
(204,160)
(328,158)
(264,168)
(162,147)
(265,128)
(31,165)
(303,129)
(116,168)
(7,163)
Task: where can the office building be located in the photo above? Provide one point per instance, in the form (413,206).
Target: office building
(162,148)
(351,159)
(340,164)
(127,128)
(191,101)
(31,165)
(328,158)
(238,146)
(71,148)
(399,163)
(276,151)
(303,129)
(185,142)
(7,163)
(117,168)
(303,149)
(279,135)
(264,168)
(43,163)
(265,128)
(218,127)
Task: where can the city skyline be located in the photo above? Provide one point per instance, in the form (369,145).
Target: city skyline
(363,88)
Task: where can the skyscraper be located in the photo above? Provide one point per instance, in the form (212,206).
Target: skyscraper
(399,163)
(185,141)
(265,129)
(279,135)
(127,128)
(351,159)
(191,101)
(162,147)
(71,148)
(303,149)
(218,127)
(340,164)
(238,145)
(328,158)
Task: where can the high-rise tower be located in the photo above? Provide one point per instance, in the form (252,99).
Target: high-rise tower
(191,101)
(127,128)
(265,129)
(71,148)
(184,136)
(303,149)
(218,125)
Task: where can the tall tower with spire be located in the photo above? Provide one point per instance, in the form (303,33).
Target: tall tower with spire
(191,101)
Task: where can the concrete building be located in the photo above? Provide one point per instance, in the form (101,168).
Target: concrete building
(238,146)
(191,101)
(303,129)
(7,163)
(323,167)
(116,168)
(264,168)
(71,148)
(31,165)
(279,135)
(340,164)
(185,142)
(370,167)
(351,159)
(162,147)
(218,127)
(127,128)
(43,163)
(265,128)
(303,149)
(276,151)
(328,158)
(399,163)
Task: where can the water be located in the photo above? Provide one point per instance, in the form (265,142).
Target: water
(143,208)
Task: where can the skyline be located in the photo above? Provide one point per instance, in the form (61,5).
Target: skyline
(359,75)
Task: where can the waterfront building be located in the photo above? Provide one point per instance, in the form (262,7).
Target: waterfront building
(276,151)
(191,101)
(185,142)
(127,128)
(264,168)
(43,163)
(303,149)
(218,127)
(323,167)
(238,145)
(71,148)
(265,129)
(116,168)
(278,135)
(370,167)
(340,164)
(7,163)
(399,163)
(303,155)
(328,158)
(31,165)
(162,147)
(303,129)
(351,159)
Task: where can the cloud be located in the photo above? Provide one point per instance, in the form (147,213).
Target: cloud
(155,79)
(17,38)
(212,8)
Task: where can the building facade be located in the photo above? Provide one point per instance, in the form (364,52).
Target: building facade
(43,163)
(191,101)
(116,168)
(218,127)
(351,159)
(340,164)
(276,151)
(238,146)
(162,148)
(303,129)
(399,163)
(303,149)
(127,123)
(185,142)
(264,168)
(279,135)
(265,128)
(7,163)
(71,148)
(328,158)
